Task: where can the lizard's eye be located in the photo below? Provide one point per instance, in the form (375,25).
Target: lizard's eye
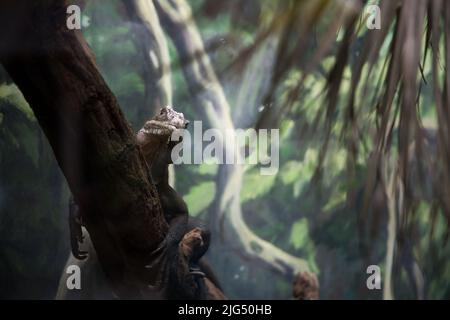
(163,110)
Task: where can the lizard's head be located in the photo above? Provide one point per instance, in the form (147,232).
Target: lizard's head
(165,123)
(154,137)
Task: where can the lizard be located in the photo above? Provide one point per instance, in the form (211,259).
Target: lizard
(155,141)
(156,135)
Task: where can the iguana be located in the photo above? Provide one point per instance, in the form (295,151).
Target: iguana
(155,141)
(156,144)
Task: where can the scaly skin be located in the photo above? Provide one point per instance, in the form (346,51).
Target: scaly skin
(157,132)
(154,139)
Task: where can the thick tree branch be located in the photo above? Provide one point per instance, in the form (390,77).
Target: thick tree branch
(93,144)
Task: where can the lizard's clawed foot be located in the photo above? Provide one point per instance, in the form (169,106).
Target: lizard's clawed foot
(196,271)
(75,242)
(75,246)
(81,255)
(76,231)
(167,243)
(158,255)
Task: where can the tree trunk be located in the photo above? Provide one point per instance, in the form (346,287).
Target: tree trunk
(93,144)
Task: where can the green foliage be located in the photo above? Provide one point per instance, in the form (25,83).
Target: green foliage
(17,123)
(208,169)
(255,185)
(32,204)
(11,94)
(299,174)
(200,197)
(299,234)
(301,240)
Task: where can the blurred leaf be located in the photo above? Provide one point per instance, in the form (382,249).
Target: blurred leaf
(12,94)
(301,240)
(299,234)
(286,128)
(291,172)
(337,197)
(299,173)
(256,185)
(208,169)
(200,197)
(328,63)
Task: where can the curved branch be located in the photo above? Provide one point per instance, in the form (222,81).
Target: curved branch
(150,40)
(211,103)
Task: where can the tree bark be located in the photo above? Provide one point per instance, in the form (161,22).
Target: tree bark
(92,142)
